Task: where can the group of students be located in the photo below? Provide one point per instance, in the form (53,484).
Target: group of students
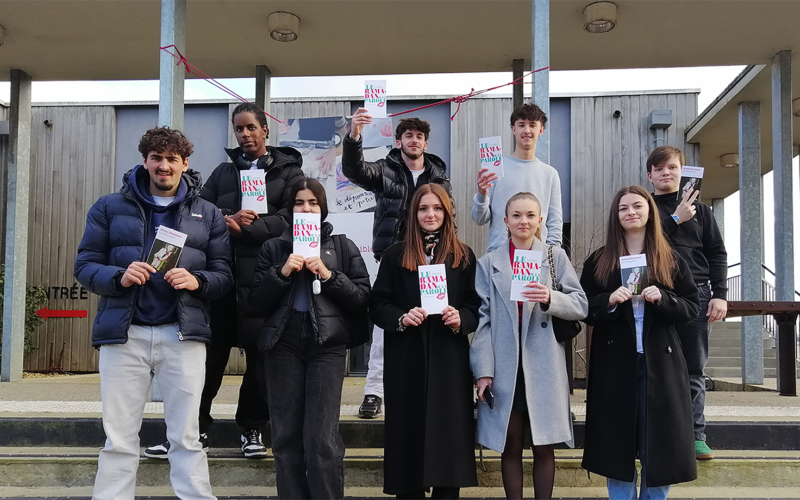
(300,312)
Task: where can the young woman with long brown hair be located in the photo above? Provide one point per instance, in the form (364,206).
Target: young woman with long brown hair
(638,401)
(430,428)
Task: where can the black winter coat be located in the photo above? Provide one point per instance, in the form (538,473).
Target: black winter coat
(430,423)
(393,186)
(610,448)
(342,294)
(223,189)
(115,237)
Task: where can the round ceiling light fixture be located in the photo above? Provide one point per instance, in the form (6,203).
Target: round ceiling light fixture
(284,26)
(796,107)
(730,160)
(600,17)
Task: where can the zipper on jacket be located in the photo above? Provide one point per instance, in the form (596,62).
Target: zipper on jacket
(180,335)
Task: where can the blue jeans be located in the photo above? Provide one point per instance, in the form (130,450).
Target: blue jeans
(694,341)
(305,394)
(622,490)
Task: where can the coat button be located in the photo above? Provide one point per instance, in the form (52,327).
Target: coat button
(544,324)
(610,342)
(669,349)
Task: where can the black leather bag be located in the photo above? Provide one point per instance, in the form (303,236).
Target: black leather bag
(358,326)
(563,329)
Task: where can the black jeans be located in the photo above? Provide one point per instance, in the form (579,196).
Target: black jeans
(694,342)
(305,394)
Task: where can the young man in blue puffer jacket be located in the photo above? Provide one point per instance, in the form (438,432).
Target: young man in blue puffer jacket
(153,323)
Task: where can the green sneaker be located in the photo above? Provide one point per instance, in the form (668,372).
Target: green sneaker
(702,451)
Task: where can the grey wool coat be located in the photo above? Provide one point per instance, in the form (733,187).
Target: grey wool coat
(495,348)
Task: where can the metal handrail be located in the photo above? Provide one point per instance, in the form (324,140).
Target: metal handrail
(770,271)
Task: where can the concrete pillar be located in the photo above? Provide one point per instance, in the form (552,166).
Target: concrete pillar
(540,58)
(173,32)
(782,171)
(518,91)
(751,233)
(264,87)
(16,263)
(718,207)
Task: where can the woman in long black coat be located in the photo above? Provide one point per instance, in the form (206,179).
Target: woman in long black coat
(430,427)
(638,401)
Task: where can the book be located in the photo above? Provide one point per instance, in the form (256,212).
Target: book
(526,268)
(375,97)
(491,154)
(254,190)
(306,237)
(634,272)
(691,178)
(433,288)
(166,249)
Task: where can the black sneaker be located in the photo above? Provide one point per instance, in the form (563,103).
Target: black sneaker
(161,450)
(370,407)
(252,446)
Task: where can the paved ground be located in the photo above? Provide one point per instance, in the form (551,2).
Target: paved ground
(80,395)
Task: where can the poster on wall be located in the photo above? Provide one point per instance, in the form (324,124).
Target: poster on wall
(319,140)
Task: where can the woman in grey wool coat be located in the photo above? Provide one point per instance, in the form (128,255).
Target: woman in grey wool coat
(525,372)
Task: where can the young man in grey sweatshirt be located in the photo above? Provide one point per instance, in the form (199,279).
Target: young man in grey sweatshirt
(522,172)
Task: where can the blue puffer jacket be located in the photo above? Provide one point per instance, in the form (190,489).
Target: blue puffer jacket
(115,237)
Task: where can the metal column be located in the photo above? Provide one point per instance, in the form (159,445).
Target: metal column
(16,264)
(518,91)
(751,238)
(782,171)
(263,87)
(718,208)
(173,32)
(540,58)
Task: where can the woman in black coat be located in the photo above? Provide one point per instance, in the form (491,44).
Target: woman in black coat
(430,426)
(312,305)
(638,401)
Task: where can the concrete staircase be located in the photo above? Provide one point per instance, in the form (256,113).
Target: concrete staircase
(725,351)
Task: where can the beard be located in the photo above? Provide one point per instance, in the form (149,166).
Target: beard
(411,154)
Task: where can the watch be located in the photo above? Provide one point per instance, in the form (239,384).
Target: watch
(676,219)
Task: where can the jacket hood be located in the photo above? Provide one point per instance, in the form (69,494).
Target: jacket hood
(281,156)
(135,184)
(395,157)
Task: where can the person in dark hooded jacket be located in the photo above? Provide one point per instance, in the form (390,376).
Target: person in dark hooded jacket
(233,322)
(313,306)
(152,323)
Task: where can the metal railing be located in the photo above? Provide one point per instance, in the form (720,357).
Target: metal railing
(768,294)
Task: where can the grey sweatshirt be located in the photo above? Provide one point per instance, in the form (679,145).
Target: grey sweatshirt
(533,176)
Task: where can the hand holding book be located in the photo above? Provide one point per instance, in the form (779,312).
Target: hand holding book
(181,279)
(686,209)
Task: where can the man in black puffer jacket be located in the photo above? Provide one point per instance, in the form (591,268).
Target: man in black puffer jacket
(233,321)
(152,322)
(393,181)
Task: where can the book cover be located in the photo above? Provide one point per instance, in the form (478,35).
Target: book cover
(634,272)
(375,97)
(691,178)
(526,268)
(433,288)
(254,191)
(306,237)
(491,154)
(166,249)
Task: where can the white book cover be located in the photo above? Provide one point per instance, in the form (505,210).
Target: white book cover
(634,272)
(433,288)
(691,178)
(526,268)
(254,190)
(306,237)
(375,97)
(491,154)
(166,249)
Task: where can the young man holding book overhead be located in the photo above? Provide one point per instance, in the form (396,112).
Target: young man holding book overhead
(153,323)
(694,234)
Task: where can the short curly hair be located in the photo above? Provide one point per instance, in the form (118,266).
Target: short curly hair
(162,139)
(530,112)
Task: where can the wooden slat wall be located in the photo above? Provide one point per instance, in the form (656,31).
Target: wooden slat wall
(477,118)
(72,165)
(608,153)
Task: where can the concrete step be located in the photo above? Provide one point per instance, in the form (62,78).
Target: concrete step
(729,330)
(735,352)
(76,467)
(713,342)
(677,492)
(733,362)
(731,372)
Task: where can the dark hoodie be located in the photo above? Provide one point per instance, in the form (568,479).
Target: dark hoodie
(157,304)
